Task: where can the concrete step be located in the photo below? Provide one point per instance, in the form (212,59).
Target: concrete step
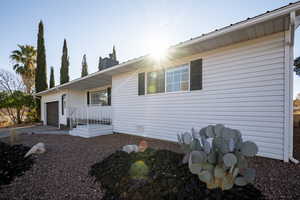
(91,130)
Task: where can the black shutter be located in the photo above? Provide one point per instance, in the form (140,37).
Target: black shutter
(109,96)
(196,75)
(88,98)
(62,104)
(141,86)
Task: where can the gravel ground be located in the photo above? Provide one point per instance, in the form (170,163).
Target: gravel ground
(62,172)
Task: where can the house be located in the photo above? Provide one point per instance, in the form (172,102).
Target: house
(240,76)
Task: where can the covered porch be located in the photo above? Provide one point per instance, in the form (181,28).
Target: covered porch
(82,106)
(85,105)
(88,107)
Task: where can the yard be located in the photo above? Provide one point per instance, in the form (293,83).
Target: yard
(62,172)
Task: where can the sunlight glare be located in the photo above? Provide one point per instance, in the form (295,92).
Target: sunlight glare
(158,47)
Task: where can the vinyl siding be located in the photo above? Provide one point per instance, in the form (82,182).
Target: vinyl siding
(243,88)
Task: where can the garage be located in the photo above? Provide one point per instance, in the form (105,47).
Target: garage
(52,113)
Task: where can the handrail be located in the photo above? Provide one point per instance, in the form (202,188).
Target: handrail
(90,115)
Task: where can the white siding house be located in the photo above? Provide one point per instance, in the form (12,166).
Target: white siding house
(242,88)
(240,76)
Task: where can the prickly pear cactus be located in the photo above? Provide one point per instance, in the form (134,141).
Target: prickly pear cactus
(217,154)
(189,142)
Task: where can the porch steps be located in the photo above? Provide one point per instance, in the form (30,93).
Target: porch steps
(91,130)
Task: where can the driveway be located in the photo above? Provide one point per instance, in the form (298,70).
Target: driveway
(36,129)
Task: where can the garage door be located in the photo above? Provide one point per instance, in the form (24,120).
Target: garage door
(52,113)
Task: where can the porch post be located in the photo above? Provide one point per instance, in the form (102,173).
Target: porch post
(87,116)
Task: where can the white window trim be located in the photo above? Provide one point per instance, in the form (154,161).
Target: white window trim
(93,91)
(165,92)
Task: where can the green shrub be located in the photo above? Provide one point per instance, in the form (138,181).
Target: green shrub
(139,170)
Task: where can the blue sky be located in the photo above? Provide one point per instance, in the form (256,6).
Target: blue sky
(92,27)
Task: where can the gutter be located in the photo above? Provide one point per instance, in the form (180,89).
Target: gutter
(286,10)
(292,39)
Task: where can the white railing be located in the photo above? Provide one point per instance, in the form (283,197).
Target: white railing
(89,115)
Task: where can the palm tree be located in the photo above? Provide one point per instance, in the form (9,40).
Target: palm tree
(25,64)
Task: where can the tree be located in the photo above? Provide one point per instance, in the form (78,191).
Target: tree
(64,70)
(84,70)
(10,82)
(114,55)
(25,64)
(14,102)
(52,81)
(100,64)
(41,67)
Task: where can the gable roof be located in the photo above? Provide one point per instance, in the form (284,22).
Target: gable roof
(261,25)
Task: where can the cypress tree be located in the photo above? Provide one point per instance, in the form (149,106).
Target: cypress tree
(64,70)
(52,81)
(114,55)
(84,70)
(41,68)
(100,64)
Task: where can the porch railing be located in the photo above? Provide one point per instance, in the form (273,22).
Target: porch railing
(89,115)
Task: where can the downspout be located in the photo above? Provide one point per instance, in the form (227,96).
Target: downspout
(292,38)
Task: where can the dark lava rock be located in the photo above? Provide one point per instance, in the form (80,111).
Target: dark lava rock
(168,179)
(12,162)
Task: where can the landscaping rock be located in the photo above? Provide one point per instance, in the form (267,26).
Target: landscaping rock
(143,145)
(39,148)
(130,148)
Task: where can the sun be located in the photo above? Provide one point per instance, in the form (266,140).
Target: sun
(158,50)
(158,46)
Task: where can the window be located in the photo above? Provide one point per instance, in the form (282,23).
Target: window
(156,82)
(63,103)
(185,77)
(99,97)
(177,78)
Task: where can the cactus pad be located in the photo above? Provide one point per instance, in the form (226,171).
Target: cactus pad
(229,159)
(198,157)
(209,131)
(205,176)
(249,149)
(219,172)
(187,138)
